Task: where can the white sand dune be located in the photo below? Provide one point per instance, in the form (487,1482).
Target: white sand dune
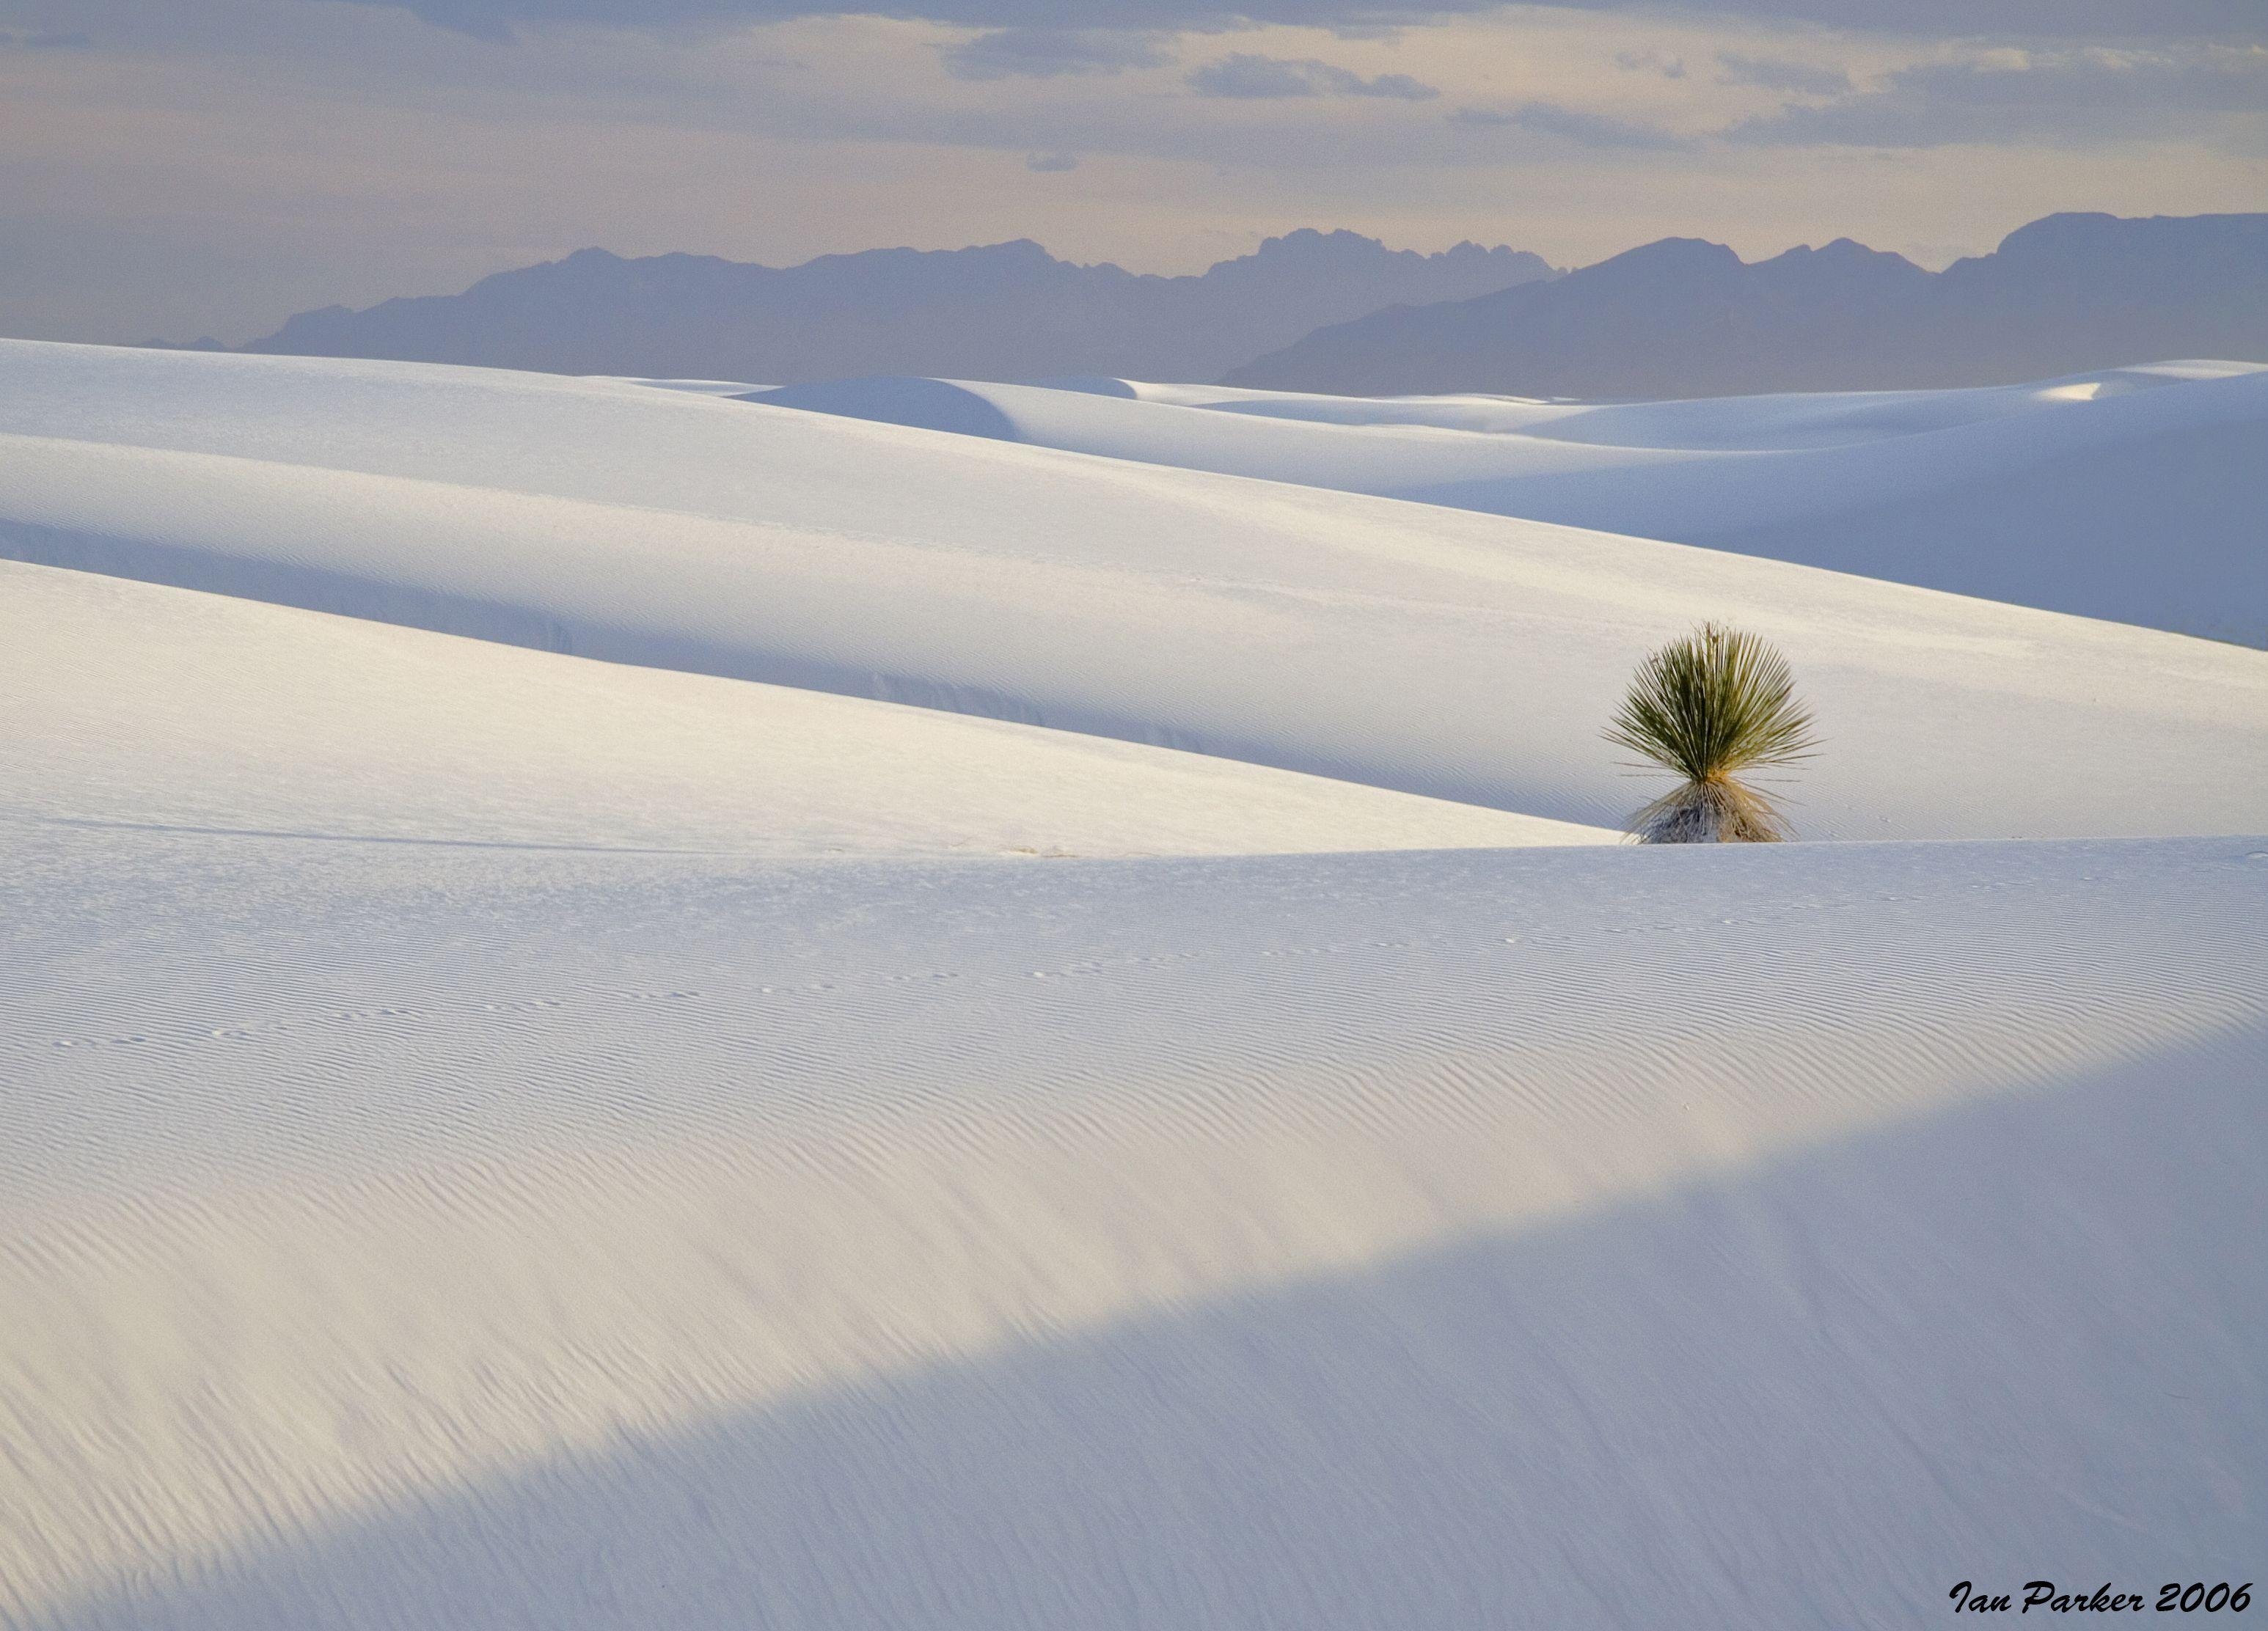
(143,705)
(2128,493)
(1450,655)
(1731,424)
(418,1235)
(493,1138)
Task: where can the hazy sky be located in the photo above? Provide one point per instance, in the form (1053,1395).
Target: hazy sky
(180,167)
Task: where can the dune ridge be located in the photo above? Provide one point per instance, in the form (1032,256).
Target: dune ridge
(2127,494)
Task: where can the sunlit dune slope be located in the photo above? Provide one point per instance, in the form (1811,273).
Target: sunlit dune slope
(2130,494)
(138,704)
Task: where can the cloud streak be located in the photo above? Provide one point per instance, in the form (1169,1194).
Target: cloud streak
(2062,98)
(1245,77)
(1572,124)
(1048,53)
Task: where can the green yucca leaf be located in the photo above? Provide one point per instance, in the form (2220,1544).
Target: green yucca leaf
(1706,707)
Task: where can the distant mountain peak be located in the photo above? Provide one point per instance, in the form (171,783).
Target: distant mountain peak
(1665,260)
(1010,249)
(1848,250)
(1673,251)
(1842,262)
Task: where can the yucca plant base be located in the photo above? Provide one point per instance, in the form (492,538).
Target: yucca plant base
(1709,813)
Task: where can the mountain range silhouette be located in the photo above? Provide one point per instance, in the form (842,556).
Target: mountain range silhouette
(1341,313)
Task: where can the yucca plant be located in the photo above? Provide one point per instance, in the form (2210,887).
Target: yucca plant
(1709,708)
